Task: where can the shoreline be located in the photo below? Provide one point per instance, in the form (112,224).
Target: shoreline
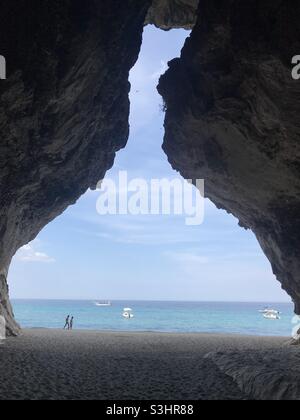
(172,333)
(87,365)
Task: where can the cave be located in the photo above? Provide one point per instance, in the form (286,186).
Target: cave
(232,113)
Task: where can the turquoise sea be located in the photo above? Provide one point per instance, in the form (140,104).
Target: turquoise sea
(182,317)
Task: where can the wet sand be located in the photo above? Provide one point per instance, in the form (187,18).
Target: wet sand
(90,365)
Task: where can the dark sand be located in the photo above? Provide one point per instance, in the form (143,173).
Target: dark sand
(51,364)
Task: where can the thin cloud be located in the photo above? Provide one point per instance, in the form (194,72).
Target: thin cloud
(29,253)
(146,237)
(187,257)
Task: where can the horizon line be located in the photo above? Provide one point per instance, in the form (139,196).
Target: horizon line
(152,300)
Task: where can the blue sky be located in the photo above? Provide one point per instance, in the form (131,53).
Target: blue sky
(82,255)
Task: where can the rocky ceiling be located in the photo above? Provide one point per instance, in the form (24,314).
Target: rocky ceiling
(232,112)
(170,14)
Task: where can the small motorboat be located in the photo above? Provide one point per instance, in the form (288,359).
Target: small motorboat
(269,311)
(127,313)
(108,303)
(271,315)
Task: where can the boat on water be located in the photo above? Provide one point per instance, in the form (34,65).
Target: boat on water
(105,303)
(268,311)
(127,313)
(272,316)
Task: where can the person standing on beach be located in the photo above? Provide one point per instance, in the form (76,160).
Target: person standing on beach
(67,324)
(71,323)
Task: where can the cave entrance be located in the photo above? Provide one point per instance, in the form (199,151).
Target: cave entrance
(140,258)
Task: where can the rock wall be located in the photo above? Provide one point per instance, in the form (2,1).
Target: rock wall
(233,119)
(6,310)
(259,379)
(170,14)
(63,109)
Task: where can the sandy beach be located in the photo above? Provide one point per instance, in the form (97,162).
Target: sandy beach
(52,364)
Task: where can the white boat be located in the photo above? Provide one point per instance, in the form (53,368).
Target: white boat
(108,303)
(269,311)
(272,316)
(127,313)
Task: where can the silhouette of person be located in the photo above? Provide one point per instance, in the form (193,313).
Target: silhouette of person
(71,323)
(67,324)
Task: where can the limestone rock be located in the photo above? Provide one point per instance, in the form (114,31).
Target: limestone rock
(263,375)
(170,14)
(233,119)
(63,109)
(7,321)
